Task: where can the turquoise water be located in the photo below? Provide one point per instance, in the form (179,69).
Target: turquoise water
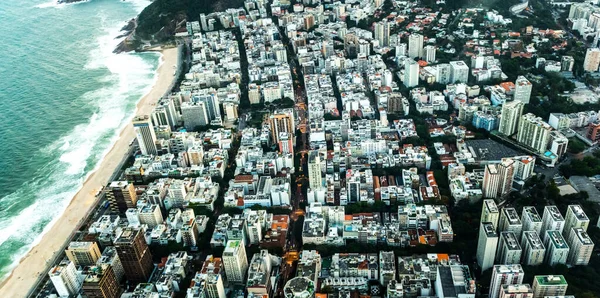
(64,97)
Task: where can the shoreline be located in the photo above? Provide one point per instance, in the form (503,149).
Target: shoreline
(33,264)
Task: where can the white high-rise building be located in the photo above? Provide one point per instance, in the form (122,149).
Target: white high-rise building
(145,135)
(415,45)
(524,166)
(411,73)
(429,52)
(150,215)
(558,143)
(534,132)
(581,246)
(498,179)
(509,119)
(509,249)
(490,213)
(208,282)
(486,245)
(401,49)
(65,278)
(522,89)
(557,249)
(552,220)
(510,221)
(575,218)
(592,60)
(443,73)
(382,33)
(531,219)
(235,261)
(533,249)
(516,291)
(505,275)
(314,170)
(459,72)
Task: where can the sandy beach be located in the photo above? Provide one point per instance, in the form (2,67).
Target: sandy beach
(34,263)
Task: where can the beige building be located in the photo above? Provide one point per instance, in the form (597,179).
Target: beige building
(83,253)
(592,60)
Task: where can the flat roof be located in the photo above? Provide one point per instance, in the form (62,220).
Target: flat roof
(532,213)
(489,150)
(489,229)
(557,240)
(550,280)
(578,212)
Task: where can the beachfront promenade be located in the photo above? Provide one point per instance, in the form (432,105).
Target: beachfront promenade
(34,266)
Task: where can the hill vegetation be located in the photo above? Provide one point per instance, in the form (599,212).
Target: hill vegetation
(161,16)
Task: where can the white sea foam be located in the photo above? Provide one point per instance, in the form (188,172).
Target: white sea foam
(51,191)
(55,4)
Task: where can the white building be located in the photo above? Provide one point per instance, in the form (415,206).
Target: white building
(552,220)
(534,132)
(575,218)
(235,261)
(429,52)
(509,249)
(516,291)
(150,215)
(531,219)
(145,135)
(415,45)
(524,166)
(582,247)
(65,278)
(486,245)
(505,275)
(557,249)
(490,213)
(459,72)
(411,73)
(509,119)
(522,90)
(510,221)
(533,249)
(498,179)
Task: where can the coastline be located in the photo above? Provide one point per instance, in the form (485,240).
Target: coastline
(33,264)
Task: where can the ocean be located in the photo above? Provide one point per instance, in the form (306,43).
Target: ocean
(64,98)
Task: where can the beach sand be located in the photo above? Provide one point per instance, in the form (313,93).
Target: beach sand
(25,275)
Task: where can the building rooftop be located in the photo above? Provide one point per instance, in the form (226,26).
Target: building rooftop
(517,289)
(503,269)
(583,236)
(232,247)
(554,213)
(578,212)
(550,280)
(557,240)
(491,206)
(533,239)
(532,214)
(127,236)
(512,216)
(510,240)
(489,150)
(489,229)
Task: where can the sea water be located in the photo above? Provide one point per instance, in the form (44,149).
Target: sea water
(64,98)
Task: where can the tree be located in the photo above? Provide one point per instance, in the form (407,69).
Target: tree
(575,146)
